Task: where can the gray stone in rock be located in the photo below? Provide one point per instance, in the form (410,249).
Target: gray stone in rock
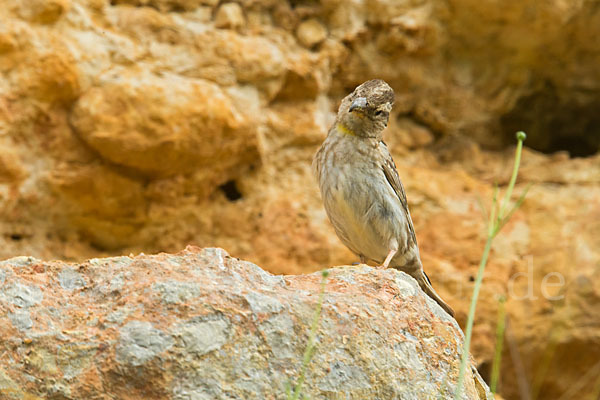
(74,358)
(70,279)
(246,354)
(175,260)
(21,261)
(22,295)
(140,342)
(174,292)
(196,387)
(201,337)
(117,283)
(118,316)
(6,383)
(277,331)
(184,394)
(215,255)
(21,319)
(266,277)
(406,287)
(260,303)
(348,278)
(59,390)
(344,377)
(408,356)
(116,261)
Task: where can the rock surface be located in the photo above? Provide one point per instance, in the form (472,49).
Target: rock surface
(202,325)
(146,125)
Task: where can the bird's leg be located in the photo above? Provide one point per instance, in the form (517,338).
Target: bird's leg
(363,260)
(389,257)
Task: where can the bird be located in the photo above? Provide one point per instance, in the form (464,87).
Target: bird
(360,187)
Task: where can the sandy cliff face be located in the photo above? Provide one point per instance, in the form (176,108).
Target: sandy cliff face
(147,125)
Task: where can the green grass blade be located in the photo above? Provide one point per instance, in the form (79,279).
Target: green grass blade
(500,327)
(493,211)
(495,223)
(471,317)
(513,178)
(311,346)
(518,203)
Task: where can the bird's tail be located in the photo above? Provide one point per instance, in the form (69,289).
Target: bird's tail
(425,284)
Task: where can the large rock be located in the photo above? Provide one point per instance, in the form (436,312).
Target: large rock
(109,144)
(203,325)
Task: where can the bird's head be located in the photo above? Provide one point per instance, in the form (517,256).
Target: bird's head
(366,111)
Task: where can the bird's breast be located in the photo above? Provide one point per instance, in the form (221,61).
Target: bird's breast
(362,206)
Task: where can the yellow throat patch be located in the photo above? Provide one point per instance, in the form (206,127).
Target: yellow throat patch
(344,129)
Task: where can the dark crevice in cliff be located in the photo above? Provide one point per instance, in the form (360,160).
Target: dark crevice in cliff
(231,190)
(556,121)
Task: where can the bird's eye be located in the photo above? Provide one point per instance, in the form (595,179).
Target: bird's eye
(379,112)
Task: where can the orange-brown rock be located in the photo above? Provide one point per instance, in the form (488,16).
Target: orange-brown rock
(164,125)
(230,15)
(311,32)
(201,324)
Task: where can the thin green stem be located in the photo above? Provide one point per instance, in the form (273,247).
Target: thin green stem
(499,344)
(492,220)
(311,346)
(472,307)
(513,178)
(513,209)
(497,220)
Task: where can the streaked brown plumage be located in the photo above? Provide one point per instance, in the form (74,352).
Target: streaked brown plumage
(362,192)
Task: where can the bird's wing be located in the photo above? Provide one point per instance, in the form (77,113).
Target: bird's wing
(391,174)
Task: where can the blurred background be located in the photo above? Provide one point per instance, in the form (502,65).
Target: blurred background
(147,125)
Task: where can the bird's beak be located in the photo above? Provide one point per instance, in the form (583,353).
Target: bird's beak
(359,102)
